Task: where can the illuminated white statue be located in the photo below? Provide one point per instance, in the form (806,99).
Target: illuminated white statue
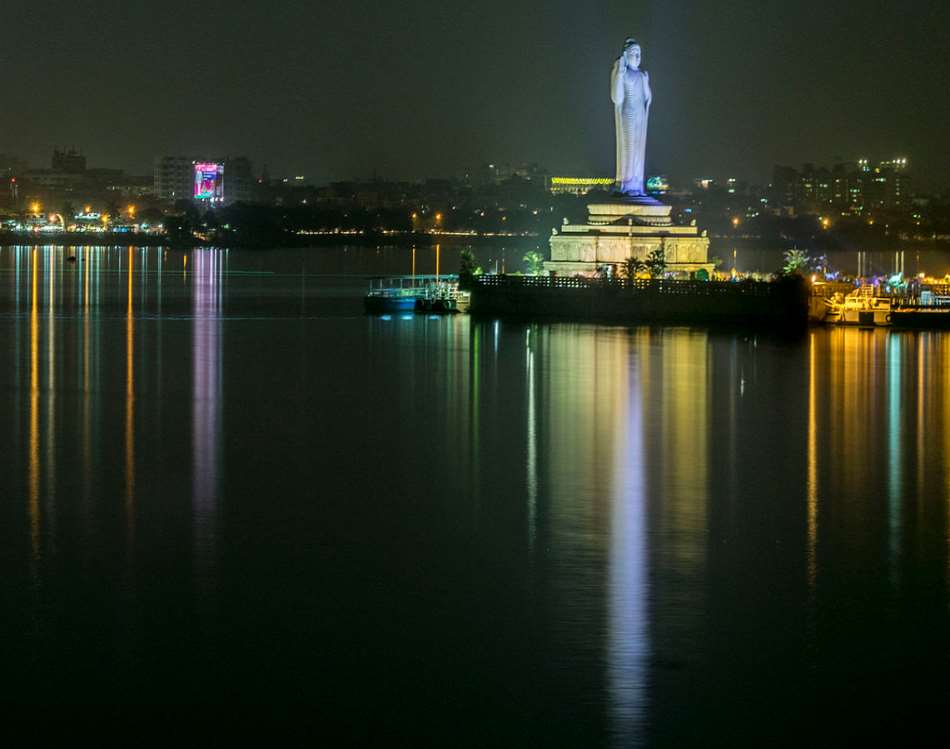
(631,95)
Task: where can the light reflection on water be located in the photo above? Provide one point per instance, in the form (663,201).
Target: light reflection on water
(206,409)
(634,531)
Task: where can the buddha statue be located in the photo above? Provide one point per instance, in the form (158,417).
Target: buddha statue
(631,95)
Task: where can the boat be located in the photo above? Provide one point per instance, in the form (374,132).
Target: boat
(861,307)
(443,299)
(424,294)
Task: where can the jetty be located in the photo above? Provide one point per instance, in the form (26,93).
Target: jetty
(429,294)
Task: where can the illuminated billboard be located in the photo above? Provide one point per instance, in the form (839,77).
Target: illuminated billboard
(209,181)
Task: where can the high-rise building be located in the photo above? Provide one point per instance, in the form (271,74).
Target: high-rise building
(238,180)
(174,178)
(885,186)
(784,186)
(69,162)
(857,188)
(189,178)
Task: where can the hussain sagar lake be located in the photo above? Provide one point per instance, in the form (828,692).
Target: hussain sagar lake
(225,486)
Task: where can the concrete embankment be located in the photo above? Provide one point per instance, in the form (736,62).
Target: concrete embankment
(780,305)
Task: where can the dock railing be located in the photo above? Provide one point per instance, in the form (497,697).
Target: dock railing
(830,288)
(414,286)
(912,295)
(652,286)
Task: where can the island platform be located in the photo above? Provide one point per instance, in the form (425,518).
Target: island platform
(781,304)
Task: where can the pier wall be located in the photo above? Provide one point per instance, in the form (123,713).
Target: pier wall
(782,304)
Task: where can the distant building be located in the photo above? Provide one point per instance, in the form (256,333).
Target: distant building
(854,188)
(579,185)
(70,162)
(69,175)
(886,186)
(498,173)
(178,178)
(238,180)
(131,186)
(174,178)
(56,181)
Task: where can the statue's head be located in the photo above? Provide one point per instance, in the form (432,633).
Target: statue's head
(631,53)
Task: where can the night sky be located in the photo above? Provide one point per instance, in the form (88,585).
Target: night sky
(335,89)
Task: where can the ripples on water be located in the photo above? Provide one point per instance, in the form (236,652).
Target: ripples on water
(223,485)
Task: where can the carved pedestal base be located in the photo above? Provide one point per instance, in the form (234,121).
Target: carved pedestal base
(625,228)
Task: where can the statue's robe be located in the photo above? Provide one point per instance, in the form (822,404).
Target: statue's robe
(630,92)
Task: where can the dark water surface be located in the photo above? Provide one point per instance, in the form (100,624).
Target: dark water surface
(228,495)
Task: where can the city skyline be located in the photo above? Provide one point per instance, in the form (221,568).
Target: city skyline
(73,161)
(330,91)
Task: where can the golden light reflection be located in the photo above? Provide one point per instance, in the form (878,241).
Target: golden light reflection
(33,503)
(812,478)
(856,384)
(130,400)
(684,369)
(599,392)
(51,382)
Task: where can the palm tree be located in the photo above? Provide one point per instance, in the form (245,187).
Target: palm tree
(468,268)
(632,267)
(656,263)
(535,262)
(796,261)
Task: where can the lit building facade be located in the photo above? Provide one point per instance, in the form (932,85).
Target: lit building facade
(854,188)
(175,179)
(579,185)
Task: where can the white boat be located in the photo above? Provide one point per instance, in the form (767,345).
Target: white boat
(860,307)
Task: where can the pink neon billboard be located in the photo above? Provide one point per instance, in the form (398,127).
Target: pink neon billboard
(209,181)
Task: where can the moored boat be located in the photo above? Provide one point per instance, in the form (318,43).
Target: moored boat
(860,307)
(427,294)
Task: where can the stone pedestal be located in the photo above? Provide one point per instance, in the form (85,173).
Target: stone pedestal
(624,228)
